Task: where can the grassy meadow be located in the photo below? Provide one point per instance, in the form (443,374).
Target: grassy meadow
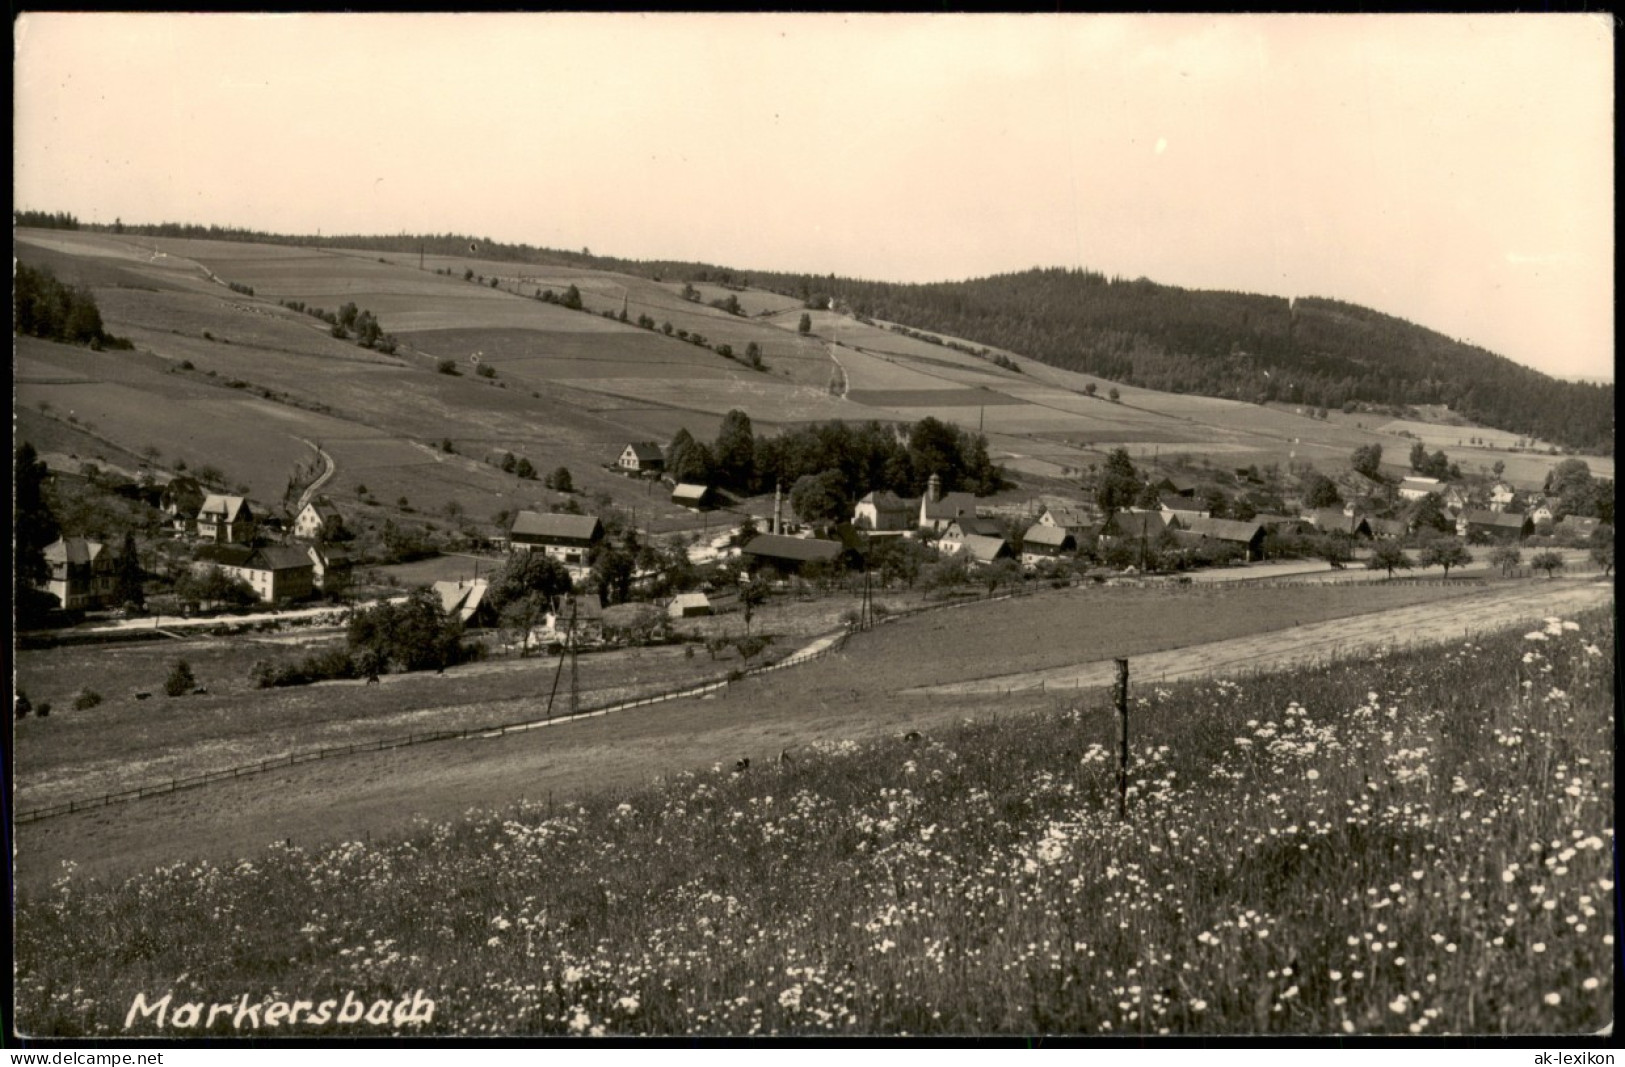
(1419,844)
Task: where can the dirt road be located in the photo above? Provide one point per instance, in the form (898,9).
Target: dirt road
(1313,642)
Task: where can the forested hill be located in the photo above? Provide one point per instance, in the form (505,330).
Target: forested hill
(1238,345)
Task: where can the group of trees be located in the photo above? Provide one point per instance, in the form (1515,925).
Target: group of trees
(827,466)
(45,307)
(349,321)
(45,220)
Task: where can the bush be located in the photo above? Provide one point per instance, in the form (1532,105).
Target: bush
(448,366)
(87,698)
(485,370)
(44,709)
(180,681)
(22,705)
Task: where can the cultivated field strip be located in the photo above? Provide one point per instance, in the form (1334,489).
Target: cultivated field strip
(1312,643)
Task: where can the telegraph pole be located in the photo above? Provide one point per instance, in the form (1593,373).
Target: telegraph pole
(1121,695)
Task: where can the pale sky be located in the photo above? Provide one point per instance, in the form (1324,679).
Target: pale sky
(1453,170)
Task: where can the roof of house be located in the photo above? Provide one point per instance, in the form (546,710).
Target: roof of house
(330,556)
(1389,527)
(951,506)
(1134,524)
(793,549)
(73,550)
(227,555)
(1416,481)
(1504,520)
(325,511)
(462,599)
(885,499)
(1183,504)
(1336,520)
(557,527)
(1177,482)
(222,508)
(1223,529)
(690,491)
(685,601)
(646,451)
(1070,516)
(1048,536)
(985,549)
(970,524)
(1266,519)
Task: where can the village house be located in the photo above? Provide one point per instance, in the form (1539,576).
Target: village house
(1415,488)
(318,520)
(1456,497)
(937,510)
(1545,510)
(694,496)
(1071,517)
(276,573)
(1493,526)
(181,500)
(1182,507)
(1247,536)
(1136,525)
(225,520)
(327,563)
(642,457)
(958,532)
(1502,496)
(1388,529)
(82,573)
(688,606)
(789,555)
(1336,520)
(883,511)
(566,538)
(1177,484)
(979,550)
(467,601)
(1042,542)
(578,621)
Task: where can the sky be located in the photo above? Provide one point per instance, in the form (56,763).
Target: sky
(1454,170)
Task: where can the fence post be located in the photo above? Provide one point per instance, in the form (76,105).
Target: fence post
(1121,694)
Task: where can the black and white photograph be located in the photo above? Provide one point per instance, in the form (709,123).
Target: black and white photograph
(576,527)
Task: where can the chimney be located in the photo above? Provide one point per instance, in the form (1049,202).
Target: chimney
(933,489)
(778,506)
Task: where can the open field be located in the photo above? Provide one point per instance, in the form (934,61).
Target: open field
(1411,845)
(856,694)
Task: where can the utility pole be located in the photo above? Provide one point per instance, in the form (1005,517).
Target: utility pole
(1121,695)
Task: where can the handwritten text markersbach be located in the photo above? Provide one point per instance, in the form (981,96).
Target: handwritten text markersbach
(414,1010)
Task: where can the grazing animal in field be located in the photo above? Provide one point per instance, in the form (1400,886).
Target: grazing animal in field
(742,765)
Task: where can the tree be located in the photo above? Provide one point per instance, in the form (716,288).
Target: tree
(612,572)
(752,595)
(215,587)
(753,355)
(509,463)
(1419,457)
(180,681)
(1119,483)
(414,634)
(36,526)
(1602,554)
(820,497)
(1090,389)
(1445,552)
(1428,514)
(128,575)
(571,298)
(1388,557)
(804,327)
(1113,395)
(1001,572)
(1548,560)
(1320,491)
(1367,460)
(735,451)
(524,469)
(1506,557)
(560,480)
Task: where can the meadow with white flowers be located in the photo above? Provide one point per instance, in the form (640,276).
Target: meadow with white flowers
(1417,843)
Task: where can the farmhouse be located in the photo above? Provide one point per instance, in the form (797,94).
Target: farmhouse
(274,572)
(1502,496)
(1388,529)
(181,500)
(81,573)
(1415,488)
(579,620)
(318,520)
(1335,520)
(1493,526)
(642,457)
(1544,510)
(980,551)
(790,554)
(958,533)
(566,538)
(695,497)
(885,511)
(467,602)
(226,520)
(1042,542)
(327,562)
(1281,524)
(1177,484)
(1135,524)
(688,606)
(1248,536)
(1068,517)
(1180,507)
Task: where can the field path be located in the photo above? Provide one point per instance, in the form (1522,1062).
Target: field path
(329,469)
(1321,641)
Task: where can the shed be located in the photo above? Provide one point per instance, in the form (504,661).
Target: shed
(689,605)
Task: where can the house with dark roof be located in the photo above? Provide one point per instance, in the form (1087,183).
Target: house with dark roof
(689,606)
(566,538)
(318,520)
(1182,507)
(1388,529)
(642,457)
(962,532)
(886,512)
(82,573)
(1177,484)
(938,510)
(327,563)
(1336,520)
(979,551)
(226,520)
(274,572)
(1135,524)
(1073,517)
(790,554)
(181,500)
(1248,536)
(1478,525)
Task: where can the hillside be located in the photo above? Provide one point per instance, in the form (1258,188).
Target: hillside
(1315,351)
